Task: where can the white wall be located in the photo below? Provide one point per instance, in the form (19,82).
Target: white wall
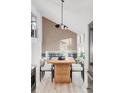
(86,45)
(36,44)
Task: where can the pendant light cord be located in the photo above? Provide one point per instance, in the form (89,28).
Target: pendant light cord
(62,12)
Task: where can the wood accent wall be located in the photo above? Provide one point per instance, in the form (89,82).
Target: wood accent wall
(52,37)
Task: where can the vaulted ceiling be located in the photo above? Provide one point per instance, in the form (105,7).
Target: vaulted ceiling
(77,13)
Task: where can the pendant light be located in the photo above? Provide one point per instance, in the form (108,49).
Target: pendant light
(62,26)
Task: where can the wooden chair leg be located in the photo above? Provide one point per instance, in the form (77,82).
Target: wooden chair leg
(40,75)
(71,75)
(52,75)
(82,74)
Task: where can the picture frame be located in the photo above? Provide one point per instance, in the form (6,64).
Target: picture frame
(33,26)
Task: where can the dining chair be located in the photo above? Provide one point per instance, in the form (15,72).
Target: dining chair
(77,68)
(44,67)
(70,58)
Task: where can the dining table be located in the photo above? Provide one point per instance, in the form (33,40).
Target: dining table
(62,69)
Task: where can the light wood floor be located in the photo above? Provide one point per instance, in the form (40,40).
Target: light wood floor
(46,86)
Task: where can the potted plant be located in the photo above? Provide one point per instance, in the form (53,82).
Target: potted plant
(80,58)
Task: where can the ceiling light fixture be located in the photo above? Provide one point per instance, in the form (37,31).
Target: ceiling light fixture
(62,26)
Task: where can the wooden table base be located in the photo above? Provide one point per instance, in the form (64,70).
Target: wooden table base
(62,73)
(62,69)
